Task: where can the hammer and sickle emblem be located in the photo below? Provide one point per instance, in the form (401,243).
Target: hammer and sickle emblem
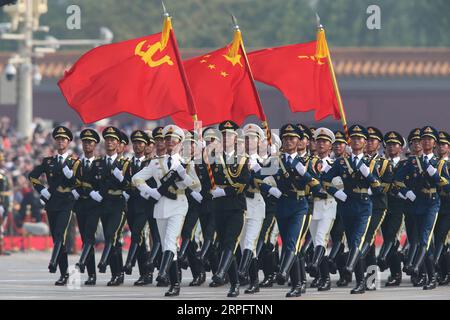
(313,58)
(147,56)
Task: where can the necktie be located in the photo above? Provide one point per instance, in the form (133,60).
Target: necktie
(138,163)
(355,162)
(87,164)
(425,161)
(109,162)
(169,162)
(60,160)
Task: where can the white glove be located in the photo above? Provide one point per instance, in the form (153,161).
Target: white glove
(197,196)
(431,170)
(45,194)
(369,192)
(300,169)
(118,174)
(255,167)
(401,196)
(325,167)
(181,171)
(76,195)
(365,171)
(42,202)
(275,192)
(340,194)
(218,192)
(144,188)
(126,196)
(67,172)
(273,149)
(95,195)
(145,194)
(411,196)
(2,210)
(153,192)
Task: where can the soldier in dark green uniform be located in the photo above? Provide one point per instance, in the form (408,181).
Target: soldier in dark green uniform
(86,209)
(107,188)
(5,195)
(60,171)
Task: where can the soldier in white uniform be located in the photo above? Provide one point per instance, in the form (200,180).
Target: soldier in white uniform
(256,208)
(169,213)
(324,212)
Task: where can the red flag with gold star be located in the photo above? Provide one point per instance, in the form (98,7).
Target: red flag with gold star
(143,77)
(301,72)
(222,87)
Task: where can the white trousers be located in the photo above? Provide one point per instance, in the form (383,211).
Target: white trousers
(169,231)
(250,233)
(320,230)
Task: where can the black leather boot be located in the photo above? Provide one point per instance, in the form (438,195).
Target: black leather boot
(53,264)
(182,258)
(319,252)
(432,280)
(296,289)
(204,250)
(325,281)
(383,256)
(62,281)
(408,265)
(254,281)
(105,258)
(91,281)
(418,259)
(144,279)
(302,264)
(285,267)
(394,280)
(174,289)
(244,264)
(234,279)
(336,250)
(360,280)
(167,258)
(353,258)
(130,258)
(154,251)
(81,264)
(226,259)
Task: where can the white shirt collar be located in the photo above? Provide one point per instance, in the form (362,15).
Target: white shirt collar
(429,156)
(65,155)
(140,159)
(304,154)
(292,156)
(395,160)
(91,159)
(113,157)
(359,156)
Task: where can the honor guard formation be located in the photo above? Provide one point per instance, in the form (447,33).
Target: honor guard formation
(236,201)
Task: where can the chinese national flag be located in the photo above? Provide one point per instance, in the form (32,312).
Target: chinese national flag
(143,77)
(301,73)
(222,87)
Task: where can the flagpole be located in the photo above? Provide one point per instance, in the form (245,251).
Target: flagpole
(333,77)
(265,123)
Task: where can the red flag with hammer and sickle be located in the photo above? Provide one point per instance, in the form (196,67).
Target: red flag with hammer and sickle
(222,86)
(301,72)
(143,77)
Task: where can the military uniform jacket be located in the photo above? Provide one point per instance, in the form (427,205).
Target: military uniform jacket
(5,190)
(256,206)
(384,170)
(395,203)
(232,175)
(83,185)
(157,169)
(59,186)
(203,176)
(324,205)
(104,181)
(136,201)
(413,176)
(356,186)
(445,194)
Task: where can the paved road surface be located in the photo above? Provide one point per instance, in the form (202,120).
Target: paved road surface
(25,276)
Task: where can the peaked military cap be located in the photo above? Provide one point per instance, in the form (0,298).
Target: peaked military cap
(289,130)
(158,133)
(324,134)
(140,136)
(61,131)
(375,133)
(307,133)
(358,131)
(339,136)
(111,132)
(444,137)
(414,135)
(89,134)
(429,131)
(228,126)
(394,137)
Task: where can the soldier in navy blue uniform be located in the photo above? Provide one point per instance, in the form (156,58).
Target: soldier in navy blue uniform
(442,254)
(427,174)
(60,171)
(380,202)
(107,188)
(86,209)
(338,256)
(356,202)
(293,179)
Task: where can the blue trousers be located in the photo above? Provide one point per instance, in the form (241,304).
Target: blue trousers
(291,216)
(426,213)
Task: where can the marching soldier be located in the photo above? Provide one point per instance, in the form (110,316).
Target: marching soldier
(256,208)
(107,188)
(357,177)
(410,222)
(293,177)
(5,196)
(87,210)
(392,222)
(60,171)
(427,175)
(442,254)
(169,213)
(324,212)
(137,214)
(379,209)
(150,151)
(338,256)
(231,175)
